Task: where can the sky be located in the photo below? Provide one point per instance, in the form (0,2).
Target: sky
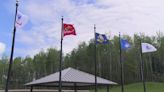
(43,29)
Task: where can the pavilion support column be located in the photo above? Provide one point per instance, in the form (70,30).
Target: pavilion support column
(107,88)
(75,87)
(31,89)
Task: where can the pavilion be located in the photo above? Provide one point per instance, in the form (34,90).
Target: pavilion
(71,78)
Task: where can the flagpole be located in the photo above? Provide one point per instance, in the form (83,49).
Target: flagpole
(12,50)
(60,62)
(121,67)
(95,59)
(142,67)
(110,61)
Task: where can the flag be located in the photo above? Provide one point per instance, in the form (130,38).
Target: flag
(21,20)
(101,39)
(68,29)
(125,44)
(146,47)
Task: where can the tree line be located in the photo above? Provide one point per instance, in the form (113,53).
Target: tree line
(108,65)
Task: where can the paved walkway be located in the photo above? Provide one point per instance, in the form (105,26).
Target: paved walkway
(42,90)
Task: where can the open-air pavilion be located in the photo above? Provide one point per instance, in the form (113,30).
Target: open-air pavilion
(71,79)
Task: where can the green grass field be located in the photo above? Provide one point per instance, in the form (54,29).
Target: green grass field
(138,87)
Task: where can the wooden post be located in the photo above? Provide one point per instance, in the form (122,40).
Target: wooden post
(107,88)
(31,89)
(75,87)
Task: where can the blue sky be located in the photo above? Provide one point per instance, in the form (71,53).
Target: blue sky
(43,28)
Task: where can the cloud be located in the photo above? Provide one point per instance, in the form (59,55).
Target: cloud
(2,48)
(125,16)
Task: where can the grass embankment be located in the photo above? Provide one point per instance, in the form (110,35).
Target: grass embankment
(138,87)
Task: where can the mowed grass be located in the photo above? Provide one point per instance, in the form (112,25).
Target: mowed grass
(138,87)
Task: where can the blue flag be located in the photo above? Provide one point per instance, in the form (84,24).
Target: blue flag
(125,44)
(101,39)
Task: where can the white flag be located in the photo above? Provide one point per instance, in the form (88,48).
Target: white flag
(146,47)
(21,20)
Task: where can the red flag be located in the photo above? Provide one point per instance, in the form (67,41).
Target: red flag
(69,29)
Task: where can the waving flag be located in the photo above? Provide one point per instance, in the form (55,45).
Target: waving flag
(125,44)
(21,20)
(101,39)
(69,29)
(146,47)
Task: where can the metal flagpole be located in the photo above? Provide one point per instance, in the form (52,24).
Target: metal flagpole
(142,67)
(12,50)
(121,67)
(60,62)
(110,61)
(95,60)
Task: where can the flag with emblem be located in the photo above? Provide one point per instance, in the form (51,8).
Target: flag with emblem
(68,29)
(101,39)
(21,20)
(146,47)
(125,44)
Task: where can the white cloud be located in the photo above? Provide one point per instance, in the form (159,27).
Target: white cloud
(2,48)
(125,16)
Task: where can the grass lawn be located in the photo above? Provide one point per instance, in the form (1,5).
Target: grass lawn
(138,87)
